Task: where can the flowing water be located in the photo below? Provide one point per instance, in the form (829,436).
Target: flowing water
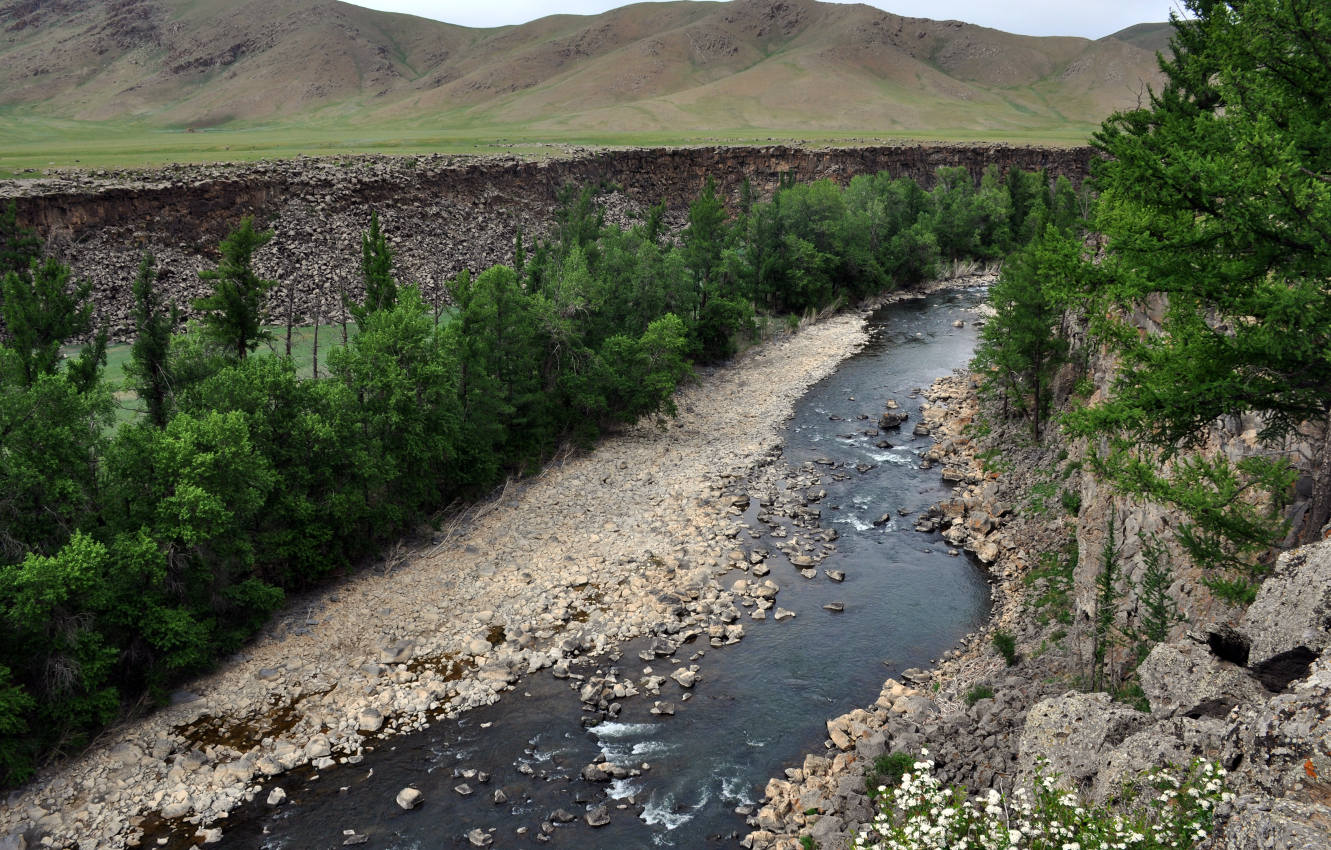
(760,705)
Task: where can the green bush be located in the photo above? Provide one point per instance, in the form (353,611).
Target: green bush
(887,771)
(978,693)
(920,813)
(1006,645)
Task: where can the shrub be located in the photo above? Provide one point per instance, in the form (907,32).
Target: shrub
(1071,502)
(920,813)
(978,693)
(1006,645)
(887,771)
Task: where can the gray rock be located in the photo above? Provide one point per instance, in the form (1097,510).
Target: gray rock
(1175,741)
(369,720)
(598,815)
(409,798)
(1262,823)
(1074,733)
(480,838)
(685,677)
(13,841)
(1289,623)
(398,653)
(277,796)
(828,831)
(1185,679)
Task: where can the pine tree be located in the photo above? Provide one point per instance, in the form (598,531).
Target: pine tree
(149,366)
(42,312)
(1107,594)
(1159,611)
(376,267)
(19,246)
(233,315)
(1020,346)
(1217,195)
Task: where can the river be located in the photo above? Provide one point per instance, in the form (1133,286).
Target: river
(760,704)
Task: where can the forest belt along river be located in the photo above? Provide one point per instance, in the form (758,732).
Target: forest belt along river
(758,705)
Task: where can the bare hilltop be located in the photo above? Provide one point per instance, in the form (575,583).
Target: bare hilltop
(672,68)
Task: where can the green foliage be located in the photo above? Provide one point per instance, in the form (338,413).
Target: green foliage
(1071,500)
(19,246)
(148,371)
(233,314)
(978,693)
(1107,594)
(41,313)
(887,771)
(376,266)
(1020,348)
(1159,611)
(1006,645)
(1052,582)
(1216,201)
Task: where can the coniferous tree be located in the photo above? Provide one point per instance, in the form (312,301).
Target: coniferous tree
(376,267)
(1217,196)
(1020,345)
(19,246)
(233,314)
(1159,611)
(149,366)
(1107,594)
(42,311)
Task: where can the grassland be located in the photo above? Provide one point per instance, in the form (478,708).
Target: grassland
(29,146)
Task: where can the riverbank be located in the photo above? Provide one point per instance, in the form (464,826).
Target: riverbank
(628,540)
(826,798)
(1248,689)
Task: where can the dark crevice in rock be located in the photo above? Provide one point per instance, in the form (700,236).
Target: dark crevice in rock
(1228,645)
(1218,708)
(1277,672)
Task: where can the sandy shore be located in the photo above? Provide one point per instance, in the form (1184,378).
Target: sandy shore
(573,560)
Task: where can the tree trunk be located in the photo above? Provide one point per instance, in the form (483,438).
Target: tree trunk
(318,317)
(1320,509)
(344,319)
(291,312)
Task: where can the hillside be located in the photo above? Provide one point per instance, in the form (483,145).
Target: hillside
(675,67)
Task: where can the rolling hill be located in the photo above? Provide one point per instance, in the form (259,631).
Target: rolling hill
(649,68)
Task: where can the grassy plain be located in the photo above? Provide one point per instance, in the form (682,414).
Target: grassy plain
(31,144)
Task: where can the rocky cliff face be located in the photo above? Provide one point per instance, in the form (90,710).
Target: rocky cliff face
(442,214)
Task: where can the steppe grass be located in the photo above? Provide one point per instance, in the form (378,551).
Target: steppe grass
(30,144)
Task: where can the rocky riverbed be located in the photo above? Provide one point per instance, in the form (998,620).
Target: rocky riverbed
(1248,689)
(635,539)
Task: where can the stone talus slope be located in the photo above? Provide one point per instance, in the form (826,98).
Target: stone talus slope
(440,214)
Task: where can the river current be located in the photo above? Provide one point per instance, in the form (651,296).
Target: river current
(761,704)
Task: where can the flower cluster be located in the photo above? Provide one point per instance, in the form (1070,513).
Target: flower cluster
(920,814)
